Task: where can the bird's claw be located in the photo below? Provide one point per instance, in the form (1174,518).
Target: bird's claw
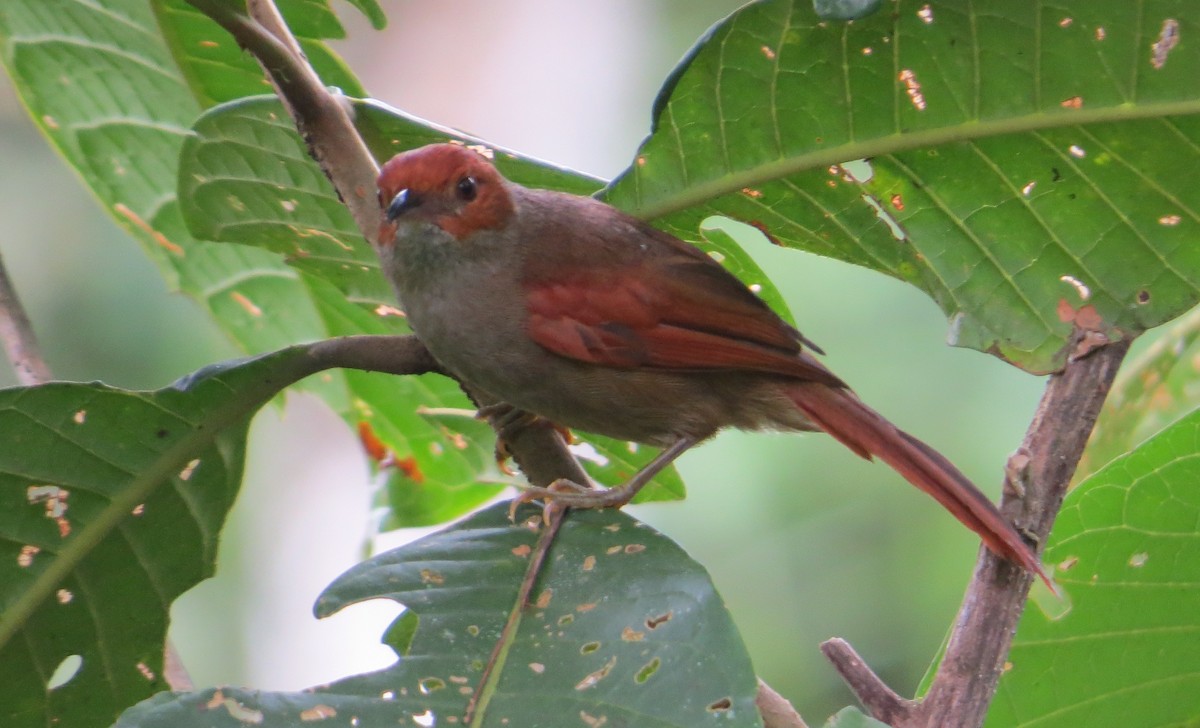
(564,493)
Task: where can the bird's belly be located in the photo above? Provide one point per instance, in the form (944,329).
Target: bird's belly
(654,407)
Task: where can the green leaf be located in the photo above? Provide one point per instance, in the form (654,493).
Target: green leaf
(100,82)
(245,176)
(1120,649)
(1150,393)
(218,70)
(374,13)
(111,503)
(1019,155)
(625,630)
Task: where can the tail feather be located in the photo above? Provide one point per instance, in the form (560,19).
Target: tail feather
(866,432)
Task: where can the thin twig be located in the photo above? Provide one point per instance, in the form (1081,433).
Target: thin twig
(880,700)
(20,343)
(1036,480)
(775,710)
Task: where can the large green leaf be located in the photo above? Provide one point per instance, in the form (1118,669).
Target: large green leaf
(1123,647)
(111,503)
(624,629)
(100,82)
(1020,155)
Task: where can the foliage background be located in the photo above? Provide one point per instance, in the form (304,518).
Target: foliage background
(871,560)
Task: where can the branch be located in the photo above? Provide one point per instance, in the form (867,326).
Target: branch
(776,712)
(20,343)
(1036,480)
(385,354)
(880,700)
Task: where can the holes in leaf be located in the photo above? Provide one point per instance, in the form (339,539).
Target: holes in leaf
(720,706)
(429,685)
(647,671)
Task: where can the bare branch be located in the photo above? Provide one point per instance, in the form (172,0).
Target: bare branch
(880,700)
(1036,480)
(978,646)
(20,343)
(776,711)
(386,354)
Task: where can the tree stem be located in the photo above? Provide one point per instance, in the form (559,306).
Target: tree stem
(1036,480)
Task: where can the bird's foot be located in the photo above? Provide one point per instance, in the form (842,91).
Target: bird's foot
(564,493)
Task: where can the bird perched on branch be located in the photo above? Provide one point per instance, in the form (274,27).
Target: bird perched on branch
(567,308)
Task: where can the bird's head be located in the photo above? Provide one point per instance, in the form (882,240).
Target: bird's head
(445,185)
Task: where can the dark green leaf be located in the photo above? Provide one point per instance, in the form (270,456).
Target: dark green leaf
(1120,648)
(625,630)
(1019,156)
(111,503)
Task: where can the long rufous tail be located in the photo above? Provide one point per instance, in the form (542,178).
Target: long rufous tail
(841,414)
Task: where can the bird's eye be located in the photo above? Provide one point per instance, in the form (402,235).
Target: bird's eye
(466,189)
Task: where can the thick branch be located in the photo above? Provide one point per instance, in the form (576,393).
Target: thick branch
(1036,482)
(16,333)
(1037,477)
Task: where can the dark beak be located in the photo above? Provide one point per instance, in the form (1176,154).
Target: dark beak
(404,201)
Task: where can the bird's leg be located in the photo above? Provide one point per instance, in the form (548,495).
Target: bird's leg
(563,492)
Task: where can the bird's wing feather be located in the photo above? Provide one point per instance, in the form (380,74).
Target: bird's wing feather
(671,308)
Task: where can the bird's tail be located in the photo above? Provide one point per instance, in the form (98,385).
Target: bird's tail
(860,428)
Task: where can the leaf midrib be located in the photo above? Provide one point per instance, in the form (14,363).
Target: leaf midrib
(697,193)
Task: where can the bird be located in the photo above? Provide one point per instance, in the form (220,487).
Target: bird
(564,307)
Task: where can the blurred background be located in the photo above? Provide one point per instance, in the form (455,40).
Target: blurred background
(803,539)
